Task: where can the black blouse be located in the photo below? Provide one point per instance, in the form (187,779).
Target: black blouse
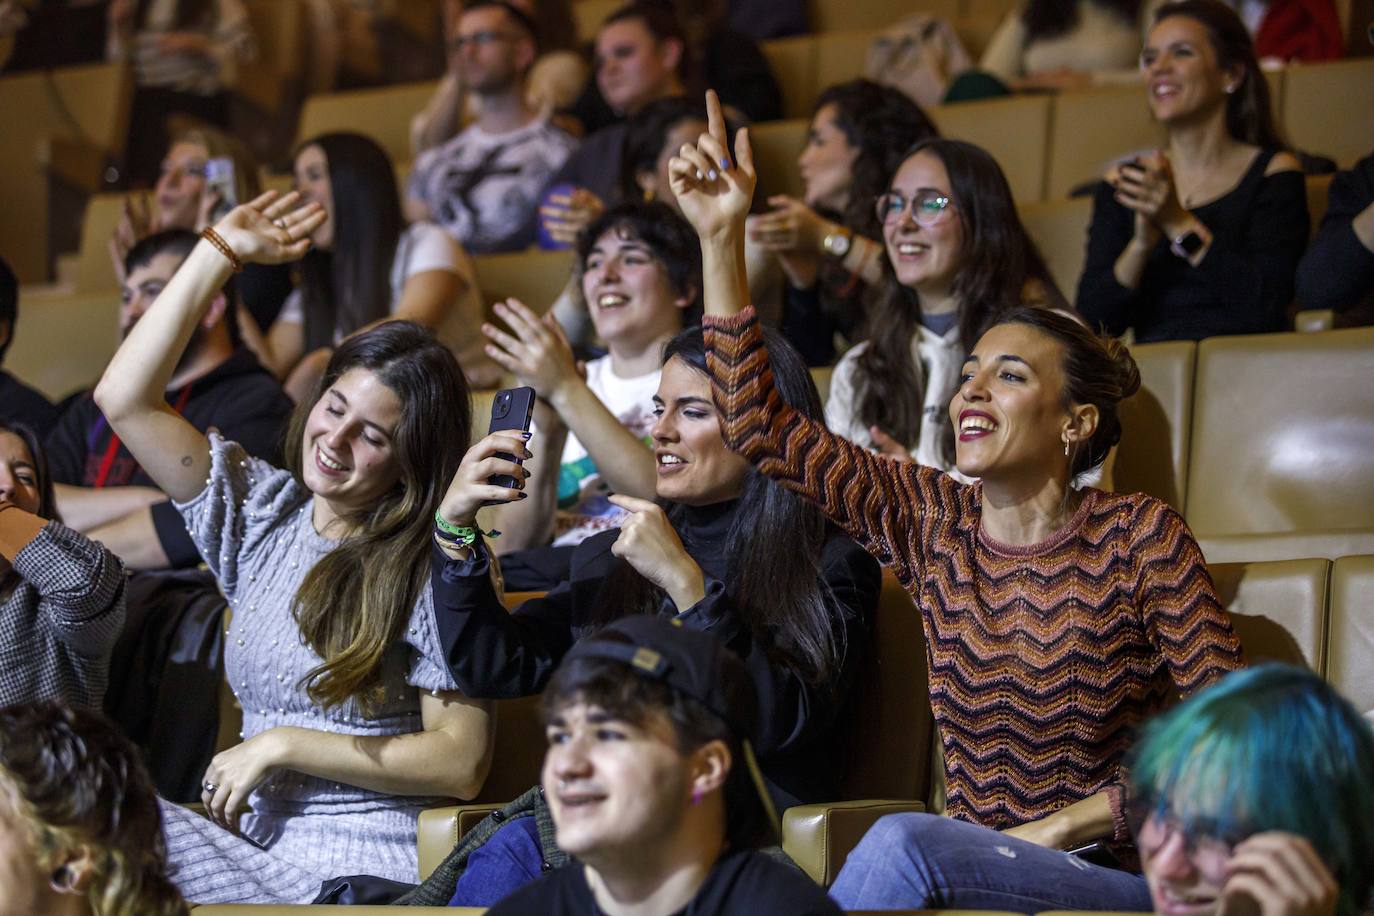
(1244,283)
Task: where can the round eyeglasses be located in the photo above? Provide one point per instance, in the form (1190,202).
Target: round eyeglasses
(928,207)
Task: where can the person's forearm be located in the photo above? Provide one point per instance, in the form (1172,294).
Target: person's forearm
(134,540)
(85,509)
(624,462)
(421,763)
(18,529)
(438,120)
(1130,266)
(725,284)
(865,259)
(1080,822)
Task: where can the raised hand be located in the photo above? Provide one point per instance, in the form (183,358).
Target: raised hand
(537,351)
(1146,187)
(271,228)
(713,192)
(649,543)
(469,490)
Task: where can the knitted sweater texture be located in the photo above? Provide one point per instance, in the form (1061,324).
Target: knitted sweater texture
(1043,659)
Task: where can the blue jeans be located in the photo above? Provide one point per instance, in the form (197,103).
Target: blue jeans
(923,861)
(500,866)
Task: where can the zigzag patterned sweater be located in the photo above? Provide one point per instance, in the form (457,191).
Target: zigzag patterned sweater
(1043,659)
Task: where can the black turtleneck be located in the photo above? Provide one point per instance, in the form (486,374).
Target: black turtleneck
(495,654)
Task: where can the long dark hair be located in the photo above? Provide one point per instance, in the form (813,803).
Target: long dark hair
(1249,111)
(1049,18)
(778,592)
(47,502)
(353,605)
(668,236)
(350,286)
(880,122)
(75,783)
(999,260)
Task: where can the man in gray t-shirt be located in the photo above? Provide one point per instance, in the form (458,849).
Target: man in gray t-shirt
(484,184)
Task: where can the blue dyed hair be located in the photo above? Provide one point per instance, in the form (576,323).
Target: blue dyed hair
(1271,748)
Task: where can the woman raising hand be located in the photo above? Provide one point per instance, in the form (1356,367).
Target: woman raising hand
(1024,584)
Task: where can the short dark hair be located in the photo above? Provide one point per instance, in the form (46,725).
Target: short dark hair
(9,305)
(673,242)
(615,688)
(662,22)
(180,242)
(522,19)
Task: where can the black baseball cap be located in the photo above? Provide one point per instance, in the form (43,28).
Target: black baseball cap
(693,663)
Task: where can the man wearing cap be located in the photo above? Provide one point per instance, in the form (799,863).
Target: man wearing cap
(650,780)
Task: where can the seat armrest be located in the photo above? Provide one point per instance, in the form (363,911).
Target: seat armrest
(819,837)
(440,829)
(1312,320)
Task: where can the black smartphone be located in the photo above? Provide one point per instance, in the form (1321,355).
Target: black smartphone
(511,409)
(1097,853)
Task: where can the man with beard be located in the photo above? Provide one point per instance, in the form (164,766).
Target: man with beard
(101,489)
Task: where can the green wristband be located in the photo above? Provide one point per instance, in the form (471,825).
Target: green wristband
(462,536)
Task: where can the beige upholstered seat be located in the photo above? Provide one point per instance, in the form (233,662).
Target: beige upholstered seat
(1278,609)
(1156,424)
(1014,130)
(1350,646)
(383,114)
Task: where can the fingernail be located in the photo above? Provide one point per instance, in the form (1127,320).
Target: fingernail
(713,174)
(724,163)
(526,435)
(522,495)
(699,175)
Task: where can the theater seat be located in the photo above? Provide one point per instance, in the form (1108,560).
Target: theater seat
(534,277)
(1156,424)
(1279,462)
(383,114)
(1059,229)
(841,15)
(94,270)
(1320,102)
(1278,609)
(1350,649)
(1014,130)
(1092,127)
(889,743)
(793,62)
(777,145)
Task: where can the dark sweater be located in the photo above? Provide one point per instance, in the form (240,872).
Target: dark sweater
(496,654)
(1242,286)
(1338,271)
(21,404)
(238,397)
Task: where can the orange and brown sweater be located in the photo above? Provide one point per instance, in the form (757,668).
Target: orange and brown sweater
(1043,659)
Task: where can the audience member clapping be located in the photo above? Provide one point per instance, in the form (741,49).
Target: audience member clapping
(365,265)
(79,823)
(483,185)
(1036,406)
(1337,272)
(828,243)
(957,258)
(185,56)
(61,595)
(705,555)
(1257,796)
(648,780)
(103,489)
(1203,237)
(351,725)
(18,402)
(641,276)
(553,83)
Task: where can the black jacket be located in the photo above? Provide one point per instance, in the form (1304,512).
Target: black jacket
(496,654)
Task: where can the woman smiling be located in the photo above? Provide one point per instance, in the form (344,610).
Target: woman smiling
(351,723)
(1056,619)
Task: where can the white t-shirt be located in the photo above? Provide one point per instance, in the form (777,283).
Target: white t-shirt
(483,188)
(422,247)
(583,508)
(941,356)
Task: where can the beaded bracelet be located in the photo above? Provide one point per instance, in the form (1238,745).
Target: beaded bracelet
(459,536)
(214,238)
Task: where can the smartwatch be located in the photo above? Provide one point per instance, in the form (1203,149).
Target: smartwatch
(837,243)
(1187,245)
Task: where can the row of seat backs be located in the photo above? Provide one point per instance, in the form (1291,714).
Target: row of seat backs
(1263,441)
(1312,612)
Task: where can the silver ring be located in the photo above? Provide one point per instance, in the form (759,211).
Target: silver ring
(279,223)
(210,787)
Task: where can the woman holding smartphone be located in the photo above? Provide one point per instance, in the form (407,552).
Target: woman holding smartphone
(352,724)
(1056,619)
(1204,236)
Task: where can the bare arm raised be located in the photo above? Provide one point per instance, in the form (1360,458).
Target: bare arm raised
(269,230)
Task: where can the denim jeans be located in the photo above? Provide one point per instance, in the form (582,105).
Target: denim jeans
(504,864)
(923,861)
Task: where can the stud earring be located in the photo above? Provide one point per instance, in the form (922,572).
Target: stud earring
(1066,448)
(61,881)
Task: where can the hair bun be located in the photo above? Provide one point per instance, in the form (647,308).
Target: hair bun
(1127,372)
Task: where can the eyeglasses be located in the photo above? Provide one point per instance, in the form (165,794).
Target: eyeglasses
(478,39)
(928,207)
(1153,825)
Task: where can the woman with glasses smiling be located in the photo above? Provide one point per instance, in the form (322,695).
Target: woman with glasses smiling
(957,256)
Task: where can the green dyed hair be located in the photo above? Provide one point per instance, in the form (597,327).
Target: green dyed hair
(1271,748)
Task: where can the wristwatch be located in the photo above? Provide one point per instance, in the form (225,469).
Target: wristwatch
(837,243)
(1187,245)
